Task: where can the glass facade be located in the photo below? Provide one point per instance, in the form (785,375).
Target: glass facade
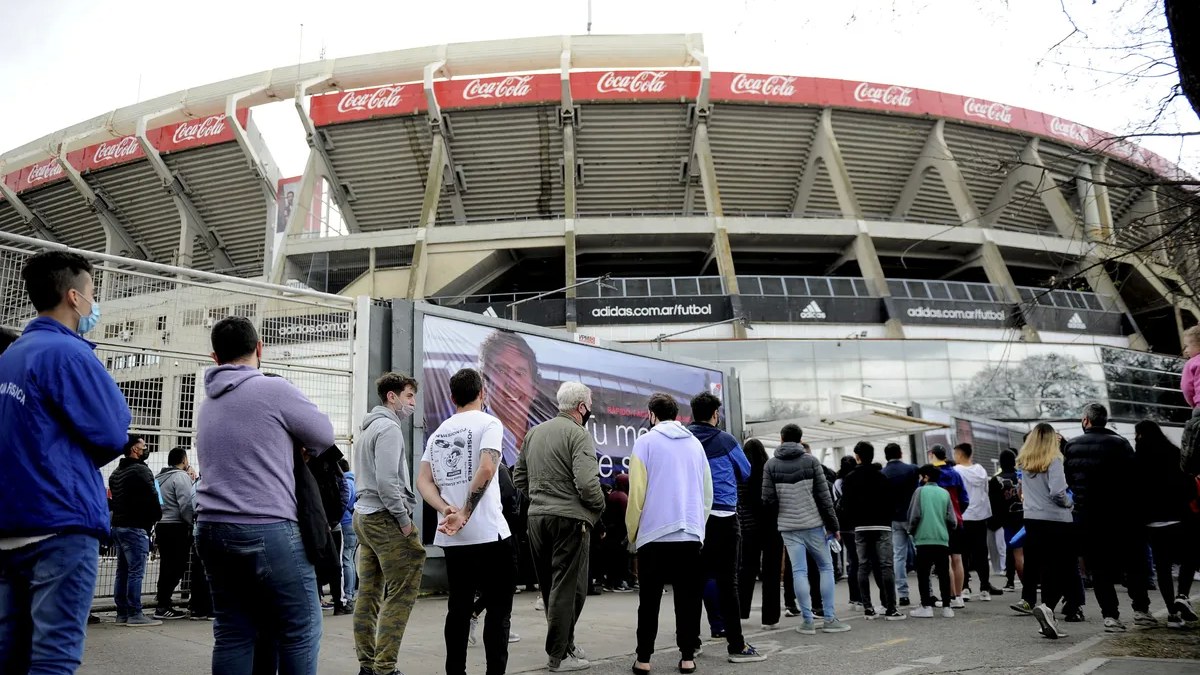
(996,380)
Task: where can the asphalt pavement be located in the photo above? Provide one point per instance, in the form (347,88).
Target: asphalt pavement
(983,638)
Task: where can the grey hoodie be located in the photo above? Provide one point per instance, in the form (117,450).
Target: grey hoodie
(381,468)
(175,486)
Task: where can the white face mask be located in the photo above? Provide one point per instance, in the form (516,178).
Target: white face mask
(406,410)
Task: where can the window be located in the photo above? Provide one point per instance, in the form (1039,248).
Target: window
(916,289)
(796,286)
(939,290)
(771,285)
(247,311)
(193,317)
(842,287)
(637,288)
(684,286)
(749,286)
(162,323)
(711,286)
(217,313)
(897,288)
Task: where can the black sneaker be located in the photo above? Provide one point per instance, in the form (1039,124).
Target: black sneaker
(894,615)
(904,602)
(869,613)
(1073,615)
(791,612)
(1183,607)
(169,614)
(718,634)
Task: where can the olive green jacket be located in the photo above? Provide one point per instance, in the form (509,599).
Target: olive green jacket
(558,472)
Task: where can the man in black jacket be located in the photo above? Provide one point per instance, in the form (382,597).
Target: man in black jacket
(903,479)
(867,505)
(1099,464)
(135,510)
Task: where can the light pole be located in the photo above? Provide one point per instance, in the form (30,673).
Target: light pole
(602,280)
(737,319)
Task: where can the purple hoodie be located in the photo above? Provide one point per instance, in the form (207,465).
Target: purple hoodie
(244,445)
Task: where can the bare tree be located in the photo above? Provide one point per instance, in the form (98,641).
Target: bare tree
(1039,387)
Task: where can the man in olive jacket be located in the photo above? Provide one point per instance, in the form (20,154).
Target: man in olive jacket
(558,472)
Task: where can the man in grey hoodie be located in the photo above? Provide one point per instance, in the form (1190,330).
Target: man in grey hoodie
(173,534)
(390,556)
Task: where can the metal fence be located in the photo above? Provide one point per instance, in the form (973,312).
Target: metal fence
(153,339)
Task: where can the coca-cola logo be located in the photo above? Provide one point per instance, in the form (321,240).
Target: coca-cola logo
(900,97)
(994,112)
(45,171)
(509,87)
(384,97)
(774,85)
(643,82)
(1070,130)
(200,129)
(126,147)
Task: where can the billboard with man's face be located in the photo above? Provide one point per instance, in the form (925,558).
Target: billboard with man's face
(522,374)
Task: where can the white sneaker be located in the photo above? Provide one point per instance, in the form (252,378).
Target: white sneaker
(770,626)
(958,603)
(471,637)
(539,605)
(965,595)
(985,597)
(577,653)
(569,664)
(947,613)
(922,613)
(513,637)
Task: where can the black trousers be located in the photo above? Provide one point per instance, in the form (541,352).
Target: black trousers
(722,539)
(486,569)
(850,550)
(561,553)
(199,596)
(1173,544)
(174,551)
(975,559)
(331,572)
(616,557)
(1112,550)
(677,563)
(1050,561)
(875,558)
(933,559)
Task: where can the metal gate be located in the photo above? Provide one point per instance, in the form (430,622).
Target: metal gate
(154,340)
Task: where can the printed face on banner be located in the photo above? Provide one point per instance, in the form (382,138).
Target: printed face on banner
(522,374)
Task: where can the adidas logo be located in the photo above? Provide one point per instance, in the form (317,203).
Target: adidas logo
(492,313)
(1076,323)
(812,311)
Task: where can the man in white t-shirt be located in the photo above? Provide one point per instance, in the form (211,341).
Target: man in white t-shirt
(979,509)
(458,479)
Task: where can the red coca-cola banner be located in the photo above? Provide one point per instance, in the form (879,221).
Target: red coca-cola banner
(199,132)
(364,104)
(498,91)
(635,85)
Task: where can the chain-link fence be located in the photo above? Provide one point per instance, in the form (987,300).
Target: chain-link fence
(153,339)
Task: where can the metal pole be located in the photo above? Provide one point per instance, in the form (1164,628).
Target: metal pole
(659,340)
(589,32)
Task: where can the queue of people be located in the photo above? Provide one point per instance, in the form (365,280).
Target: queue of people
(277,515)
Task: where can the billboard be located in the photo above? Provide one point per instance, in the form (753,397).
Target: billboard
(522,373)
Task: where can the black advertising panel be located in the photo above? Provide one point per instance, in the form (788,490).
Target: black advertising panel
(1076,320)
(673,309)
(792,309)
(549,313)
(954,313)
(334,326)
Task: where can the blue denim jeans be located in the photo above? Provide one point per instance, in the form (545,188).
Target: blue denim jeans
(133,546)
(264,593)
(349,566)
(46,592)
(901,542)
(798,543)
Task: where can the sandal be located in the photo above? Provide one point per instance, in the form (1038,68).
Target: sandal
(687,670)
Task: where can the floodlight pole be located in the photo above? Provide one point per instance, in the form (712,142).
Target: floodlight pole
(737,319)
(602,280)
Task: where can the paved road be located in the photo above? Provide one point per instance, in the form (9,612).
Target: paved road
(985,638)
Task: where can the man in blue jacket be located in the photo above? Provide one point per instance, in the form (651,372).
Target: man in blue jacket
(61,419)
(722,539)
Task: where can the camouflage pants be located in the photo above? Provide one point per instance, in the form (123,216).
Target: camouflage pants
(389,576)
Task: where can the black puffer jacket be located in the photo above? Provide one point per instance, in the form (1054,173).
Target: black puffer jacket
(866,498)
(134,495)
(1173,490)
(749,506)
(1099,465)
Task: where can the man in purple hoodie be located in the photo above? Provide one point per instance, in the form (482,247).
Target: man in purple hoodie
(262,582)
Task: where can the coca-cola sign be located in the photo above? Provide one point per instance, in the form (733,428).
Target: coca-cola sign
(1070,130)
(992,112)
(199,130)
(900,97)
(116,151)
(769,85)
(508,87)
(376,99)
(44,171)
(642,82)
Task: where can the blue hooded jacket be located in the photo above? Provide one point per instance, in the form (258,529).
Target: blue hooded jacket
(348,514)
(727,462)
(61,418)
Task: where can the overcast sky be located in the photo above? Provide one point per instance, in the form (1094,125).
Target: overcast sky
(63,61)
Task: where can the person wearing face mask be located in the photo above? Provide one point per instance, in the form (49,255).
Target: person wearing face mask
(173,534)
(49,555)
(136,507)
(390,554)
(557,469)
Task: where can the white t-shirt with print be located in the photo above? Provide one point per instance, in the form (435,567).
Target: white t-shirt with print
(454,453)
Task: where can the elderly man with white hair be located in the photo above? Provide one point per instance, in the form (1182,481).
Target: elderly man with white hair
(558,472)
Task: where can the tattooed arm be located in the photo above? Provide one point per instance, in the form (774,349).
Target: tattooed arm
(489,462)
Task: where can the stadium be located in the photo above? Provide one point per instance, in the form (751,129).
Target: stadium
(826,238)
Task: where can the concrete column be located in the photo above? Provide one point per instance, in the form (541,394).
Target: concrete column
(371,270)
(872,271)
(1086,187)
(936,155)
(998,275)
(570,277)
(169,410)
(825,149)
(1103,285)
(1103,204)
(429,211)
(569,169)
(712,204)
(187,240)
(1031,170)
